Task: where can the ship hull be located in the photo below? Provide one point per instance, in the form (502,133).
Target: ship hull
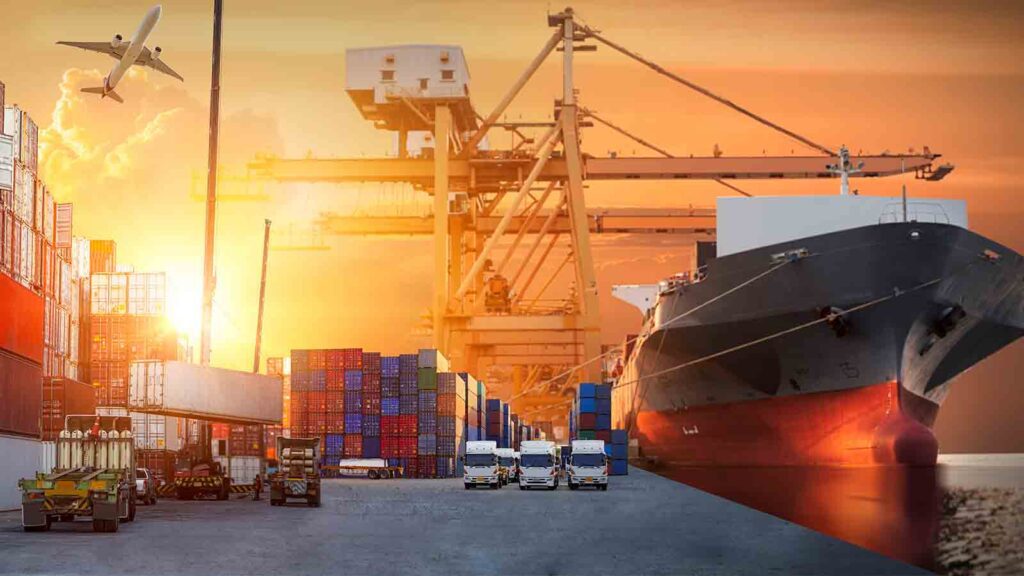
(936,300)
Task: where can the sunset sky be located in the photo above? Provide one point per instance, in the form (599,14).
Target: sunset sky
(873,75)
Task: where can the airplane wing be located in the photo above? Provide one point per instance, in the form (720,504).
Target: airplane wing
(146,59)
(101,47)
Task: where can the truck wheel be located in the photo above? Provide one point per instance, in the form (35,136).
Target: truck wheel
(604,487)
(372,475)
(223,493)
(573,486)
(521,487)
(495,486)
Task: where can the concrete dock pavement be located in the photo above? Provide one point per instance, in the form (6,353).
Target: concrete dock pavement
(643,524)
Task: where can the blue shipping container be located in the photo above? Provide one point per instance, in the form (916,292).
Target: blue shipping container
(619,468)
(588,406)
(620,437)
(389,366)
(354,422)
(588,390)
(389,407)
(604,406)
(618,451)
(353,380)
(604,422)
(371,447)
(603,391)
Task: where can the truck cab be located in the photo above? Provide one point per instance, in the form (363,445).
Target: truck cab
(508,464)
(588,465)
(481,465)
(538,464)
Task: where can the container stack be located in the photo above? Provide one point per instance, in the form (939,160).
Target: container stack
(451,423)
(407,409)
(591,414)
(495,421)
(475,396)
(513,431)
(618,452)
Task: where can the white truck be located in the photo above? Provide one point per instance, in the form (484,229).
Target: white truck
(538,464)
(481,465)
(588,465)
(509,464)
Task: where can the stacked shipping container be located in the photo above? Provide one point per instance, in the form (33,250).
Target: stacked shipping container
(590,419)
(407,409)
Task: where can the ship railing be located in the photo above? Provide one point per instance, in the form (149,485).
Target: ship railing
(930,212)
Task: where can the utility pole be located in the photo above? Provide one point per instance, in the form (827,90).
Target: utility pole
(209,280)
(259,329)
(211,219)
(263,292)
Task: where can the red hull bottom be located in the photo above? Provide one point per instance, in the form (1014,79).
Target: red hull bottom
(860,427)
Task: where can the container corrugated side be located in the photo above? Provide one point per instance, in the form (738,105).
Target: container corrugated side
(21,320)
(188,390)
(21,460)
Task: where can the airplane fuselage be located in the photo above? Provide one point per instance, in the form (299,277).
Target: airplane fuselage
(134,49)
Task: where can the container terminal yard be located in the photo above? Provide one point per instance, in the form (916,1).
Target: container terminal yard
(812,331)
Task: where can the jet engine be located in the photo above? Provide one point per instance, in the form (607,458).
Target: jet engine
(117,41)
(155,54)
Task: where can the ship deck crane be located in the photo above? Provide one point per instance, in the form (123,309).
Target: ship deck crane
(483,196)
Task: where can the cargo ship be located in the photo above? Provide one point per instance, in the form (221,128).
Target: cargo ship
(820,330)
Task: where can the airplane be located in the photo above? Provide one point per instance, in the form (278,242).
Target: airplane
(127,54)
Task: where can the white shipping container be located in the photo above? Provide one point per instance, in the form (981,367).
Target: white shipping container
(65,290)
(147,293)
(6,162)
(62,238)
(155,431)
(12,128)
(21,460)
(24,193)
(243,469)
(109,294)
(48,214)
(80,257)
(193,391)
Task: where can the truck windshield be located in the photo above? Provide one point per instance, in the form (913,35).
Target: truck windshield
(506,461)
(479,459)
(535,461)
(588,460)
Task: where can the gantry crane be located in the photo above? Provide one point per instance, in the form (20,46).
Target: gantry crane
(488,305)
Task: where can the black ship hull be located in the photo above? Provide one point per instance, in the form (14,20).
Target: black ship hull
(901,309)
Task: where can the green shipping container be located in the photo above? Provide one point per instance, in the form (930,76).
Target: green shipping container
(427,379)
(587,435)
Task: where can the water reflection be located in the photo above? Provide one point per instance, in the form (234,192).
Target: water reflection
(891,510)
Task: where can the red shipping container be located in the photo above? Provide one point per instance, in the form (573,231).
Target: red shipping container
(389,447)
(446,404)
(334,401)
(335,423)
(335,360)
(21,315)
(426,468)
(390,426)
(408,446)
(605,435)
(371,362)
(353,358)
(335,379)
(587,421)
(316,401)
(409,425)
(353,445)
(61,397)
(317,360)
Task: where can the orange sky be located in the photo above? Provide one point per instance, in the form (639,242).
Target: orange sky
(872,75)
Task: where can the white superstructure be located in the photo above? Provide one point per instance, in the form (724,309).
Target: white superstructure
(749,223)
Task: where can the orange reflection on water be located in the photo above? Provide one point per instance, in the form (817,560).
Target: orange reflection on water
(891,510)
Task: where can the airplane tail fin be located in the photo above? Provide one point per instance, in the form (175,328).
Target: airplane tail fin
(103,92)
